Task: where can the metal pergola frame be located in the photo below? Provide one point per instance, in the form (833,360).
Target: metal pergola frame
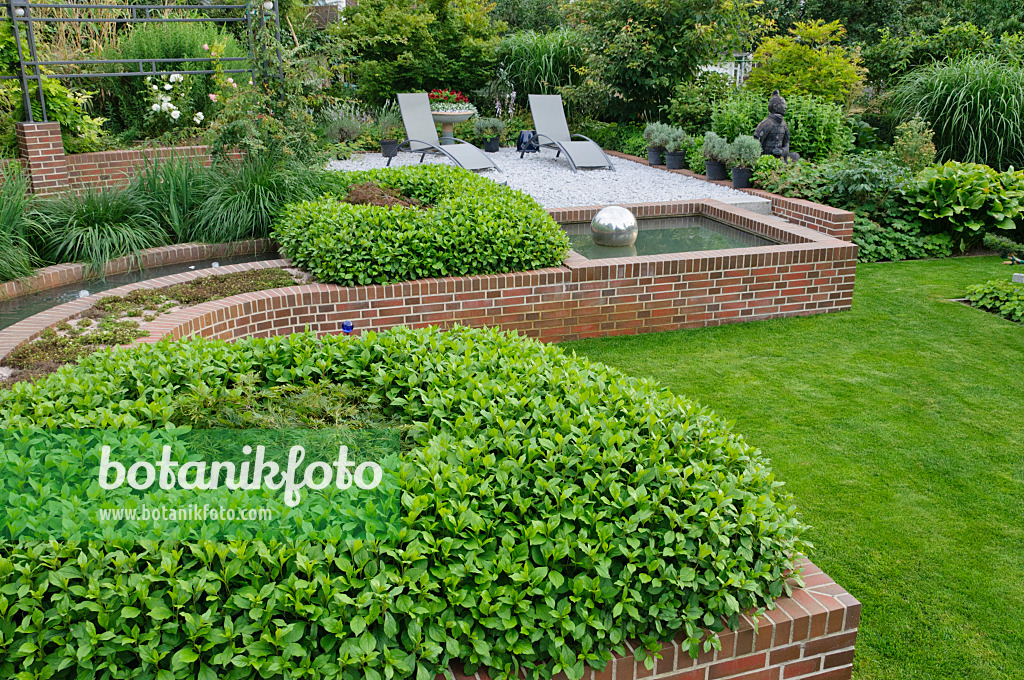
(31,69)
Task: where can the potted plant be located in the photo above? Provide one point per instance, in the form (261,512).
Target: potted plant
(743,154)
(490,129)
(389,121)
(654,135)
(449,107)
(715,150)
(675,149)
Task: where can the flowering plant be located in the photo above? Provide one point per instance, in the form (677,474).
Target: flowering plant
(445,101)
(170,99)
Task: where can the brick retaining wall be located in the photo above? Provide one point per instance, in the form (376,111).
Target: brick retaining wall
(810,274)
(809,636)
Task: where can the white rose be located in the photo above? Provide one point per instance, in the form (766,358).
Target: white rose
(168,87)
(155,107)
(156,88)
(175,114)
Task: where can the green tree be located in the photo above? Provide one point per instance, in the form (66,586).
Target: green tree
(404,45)
(639,49)
(808,61)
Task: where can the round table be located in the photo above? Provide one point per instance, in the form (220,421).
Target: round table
(447,121)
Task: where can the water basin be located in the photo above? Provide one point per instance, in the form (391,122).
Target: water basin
(663,235)
(19,308)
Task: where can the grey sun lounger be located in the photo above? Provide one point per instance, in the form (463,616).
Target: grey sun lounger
(553,133)
(421,136)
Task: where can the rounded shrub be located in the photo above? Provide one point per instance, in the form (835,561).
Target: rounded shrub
(466,225)
(817,129)
(553,509)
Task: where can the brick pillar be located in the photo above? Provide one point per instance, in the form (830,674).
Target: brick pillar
(42,155)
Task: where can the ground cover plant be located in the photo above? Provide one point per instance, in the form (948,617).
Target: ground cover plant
(466,225)
(999,296)
(552,509)
(892,424)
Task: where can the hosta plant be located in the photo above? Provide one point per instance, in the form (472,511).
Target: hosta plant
(967,199)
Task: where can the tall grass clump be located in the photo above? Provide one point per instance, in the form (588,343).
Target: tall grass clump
(540,63)
(173,190)
(15,202)
(94,226)
(243,196)
(974,104)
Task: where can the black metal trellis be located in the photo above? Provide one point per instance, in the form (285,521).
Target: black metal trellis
(31,69)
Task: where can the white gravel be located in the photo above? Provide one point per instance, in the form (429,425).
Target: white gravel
(553,184)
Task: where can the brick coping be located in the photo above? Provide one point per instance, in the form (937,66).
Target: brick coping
(58,275)
(29,329)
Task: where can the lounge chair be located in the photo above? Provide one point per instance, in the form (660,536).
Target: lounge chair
(549,119)
(421,136)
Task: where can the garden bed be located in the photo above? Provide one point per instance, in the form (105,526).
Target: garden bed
(554,407)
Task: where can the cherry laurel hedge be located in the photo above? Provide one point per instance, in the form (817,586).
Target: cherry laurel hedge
(468,225)
(553,509)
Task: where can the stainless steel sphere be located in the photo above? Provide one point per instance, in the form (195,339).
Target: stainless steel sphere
(614,226)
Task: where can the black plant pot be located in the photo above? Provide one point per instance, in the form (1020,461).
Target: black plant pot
(741,178)
(654,155)
(389,148)
(675,160)
(492,145)
(715,170)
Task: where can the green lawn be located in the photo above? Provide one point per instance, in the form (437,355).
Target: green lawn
(899,427)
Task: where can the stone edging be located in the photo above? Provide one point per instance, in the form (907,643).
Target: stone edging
(63,274)
(809,636)
(29,329)
(824,218)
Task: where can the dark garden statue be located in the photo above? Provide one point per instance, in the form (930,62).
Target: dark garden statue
(773,133)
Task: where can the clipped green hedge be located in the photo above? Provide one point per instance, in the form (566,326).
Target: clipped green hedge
(553,509)
(1001,297)
(471,225)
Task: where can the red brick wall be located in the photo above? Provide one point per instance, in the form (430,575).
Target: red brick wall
(42,154)
(115,168)
(584,298)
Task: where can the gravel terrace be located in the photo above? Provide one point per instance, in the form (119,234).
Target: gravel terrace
(553,184)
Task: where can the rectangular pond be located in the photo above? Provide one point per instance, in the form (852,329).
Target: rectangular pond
(664,235)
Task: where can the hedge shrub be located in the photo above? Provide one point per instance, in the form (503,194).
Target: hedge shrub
(471,226)
(818,129)
(554,508)
(1001,297)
